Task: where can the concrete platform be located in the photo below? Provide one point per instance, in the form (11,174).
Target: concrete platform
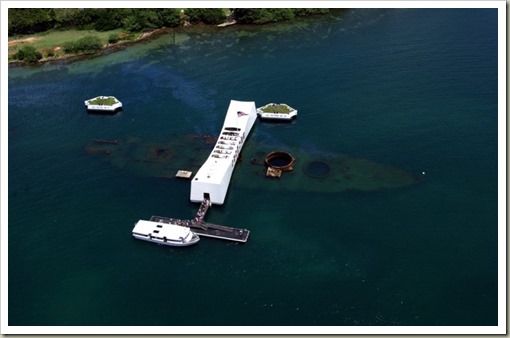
(184,174)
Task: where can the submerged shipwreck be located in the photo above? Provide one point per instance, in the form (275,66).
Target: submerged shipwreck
(212,161)
(322,172)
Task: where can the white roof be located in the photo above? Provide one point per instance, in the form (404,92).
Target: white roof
(233,119)
(240,115)
(170,231)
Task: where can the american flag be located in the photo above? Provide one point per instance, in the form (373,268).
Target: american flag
(240,113)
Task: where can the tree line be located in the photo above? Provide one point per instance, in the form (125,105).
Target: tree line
(34,20)
(267,15)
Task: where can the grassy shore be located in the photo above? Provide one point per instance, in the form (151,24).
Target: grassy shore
(51,42)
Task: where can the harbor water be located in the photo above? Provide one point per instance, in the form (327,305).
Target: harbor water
(414,89)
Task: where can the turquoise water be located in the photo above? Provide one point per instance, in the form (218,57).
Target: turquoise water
(414,88)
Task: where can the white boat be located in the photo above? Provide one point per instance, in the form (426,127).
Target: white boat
(106,104)
(212,179)
(164,233)
(270,112)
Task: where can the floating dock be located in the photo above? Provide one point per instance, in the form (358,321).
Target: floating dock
(210,230)
(206,229)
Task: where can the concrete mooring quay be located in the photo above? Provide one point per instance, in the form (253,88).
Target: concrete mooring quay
(206,229)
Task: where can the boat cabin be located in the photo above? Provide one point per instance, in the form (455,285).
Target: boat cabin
(164,233)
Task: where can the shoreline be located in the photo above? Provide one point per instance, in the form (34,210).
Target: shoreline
(146,36)
(106,49)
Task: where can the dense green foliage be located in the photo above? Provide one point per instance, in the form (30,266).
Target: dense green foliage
(28,54)
(28,20)
(113,38)
(210,16)
(266,15)
(87,44)
(142,18)
(33,20)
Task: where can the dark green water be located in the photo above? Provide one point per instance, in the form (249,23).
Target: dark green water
(413,88)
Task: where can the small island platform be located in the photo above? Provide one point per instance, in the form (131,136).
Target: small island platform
(103,104)
(184,174)
(277,111)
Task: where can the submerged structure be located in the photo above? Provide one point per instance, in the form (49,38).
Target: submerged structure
(214,159)
(313,171)
(213,178)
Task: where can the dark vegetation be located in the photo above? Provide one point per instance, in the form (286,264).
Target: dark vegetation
(210,16)
(34,20)
(28,54)
(266,15)
(87,44)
